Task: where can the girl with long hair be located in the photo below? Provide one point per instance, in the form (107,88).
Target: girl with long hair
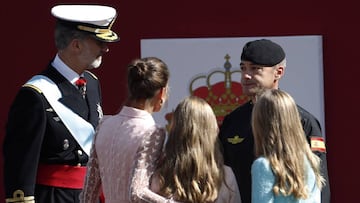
(193,169)
(285,170)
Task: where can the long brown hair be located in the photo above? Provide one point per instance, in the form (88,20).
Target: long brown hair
(279,137)
(193,168)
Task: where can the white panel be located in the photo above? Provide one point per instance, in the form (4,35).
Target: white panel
(190,57)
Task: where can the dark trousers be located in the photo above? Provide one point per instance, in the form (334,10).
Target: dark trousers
(48,194)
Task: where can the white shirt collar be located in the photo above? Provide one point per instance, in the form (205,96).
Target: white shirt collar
(65,70)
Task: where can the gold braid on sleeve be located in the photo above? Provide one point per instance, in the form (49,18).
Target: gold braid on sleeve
(19,197)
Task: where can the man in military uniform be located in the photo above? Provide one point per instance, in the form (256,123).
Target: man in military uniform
(262,65)
(54,115)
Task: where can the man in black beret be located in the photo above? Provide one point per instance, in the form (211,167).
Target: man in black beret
(52,120)
(262,65)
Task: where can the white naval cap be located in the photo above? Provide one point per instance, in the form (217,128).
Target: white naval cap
(95,19)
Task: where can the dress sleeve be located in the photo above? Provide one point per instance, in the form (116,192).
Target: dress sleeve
(234,193)
(147,158)
(262,181)
(92,183)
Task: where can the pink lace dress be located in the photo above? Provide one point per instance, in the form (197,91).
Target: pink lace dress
(124,155)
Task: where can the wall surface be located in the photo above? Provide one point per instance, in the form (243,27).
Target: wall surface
(27,38)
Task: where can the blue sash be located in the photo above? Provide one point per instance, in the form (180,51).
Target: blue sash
(81,130)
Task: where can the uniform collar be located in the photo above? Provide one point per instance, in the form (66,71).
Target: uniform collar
(64,70)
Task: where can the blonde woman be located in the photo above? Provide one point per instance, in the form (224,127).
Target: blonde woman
(192,169)
(285,170)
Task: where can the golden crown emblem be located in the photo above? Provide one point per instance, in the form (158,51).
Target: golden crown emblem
(223,95)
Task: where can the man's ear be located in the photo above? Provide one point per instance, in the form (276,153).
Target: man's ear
(75,45)
(280,71)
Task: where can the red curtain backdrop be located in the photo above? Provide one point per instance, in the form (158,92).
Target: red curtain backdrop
(27,47)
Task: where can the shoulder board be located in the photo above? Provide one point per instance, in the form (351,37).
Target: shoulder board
(92,74)
(33,86)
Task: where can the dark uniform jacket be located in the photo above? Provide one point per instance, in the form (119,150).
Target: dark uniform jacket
(35,135)
(238,147)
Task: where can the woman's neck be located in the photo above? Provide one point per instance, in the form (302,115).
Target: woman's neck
(142,104)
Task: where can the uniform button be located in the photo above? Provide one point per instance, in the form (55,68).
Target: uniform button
(79,164)
(66,144)
(79,152)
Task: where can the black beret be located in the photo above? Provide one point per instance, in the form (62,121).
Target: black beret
(263,52)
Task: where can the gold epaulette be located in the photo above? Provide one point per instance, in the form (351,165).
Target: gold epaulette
(34,87)
(92,74)
(18,197)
